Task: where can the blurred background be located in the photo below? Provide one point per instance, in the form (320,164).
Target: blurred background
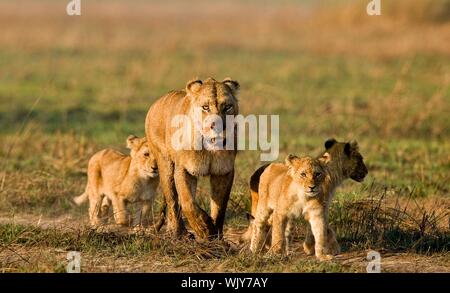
(71,85)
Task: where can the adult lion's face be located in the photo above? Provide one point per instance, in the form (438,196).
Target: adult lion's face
(142,158)
(350,159)
(211,102)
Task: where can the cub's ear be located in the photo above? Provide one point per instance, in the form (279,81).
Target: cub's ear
(131,141)
(232,84)
(354,144)
(329,143)
(193,86)
(325,158)
(348,149)
(289,161)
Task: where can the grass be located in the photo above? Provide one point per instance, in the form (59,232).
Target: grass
(70,86)
(134,246)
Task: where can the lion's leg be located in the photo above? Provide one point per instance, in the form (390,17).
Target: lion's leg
(104,210)
(247,235)
(147,211)
(220,194)
(279,223)
(259,230)
(175,224)
(95,202)
(288,234)
(333,246)
(319,230)
(198,219)
(308,245)
(141,213)
(332,243)
(137,216)
(120,211)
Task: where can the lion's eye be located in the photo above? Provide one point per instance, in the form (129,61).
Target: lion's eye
(303,174)
(205,108)
(318,174)
(147,154)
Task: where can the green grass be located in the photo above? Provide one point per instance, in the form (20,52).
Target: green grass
(76,86)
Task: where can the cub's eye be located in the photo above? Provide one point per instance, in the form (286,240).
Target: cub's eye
(205,108)
(303,174)
(147,155)
(317,174)
(228,108)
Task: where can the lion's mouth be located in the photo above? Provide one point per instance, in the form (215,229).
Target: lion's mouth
(312,193)
(215,143)
(152,174)
(358,178)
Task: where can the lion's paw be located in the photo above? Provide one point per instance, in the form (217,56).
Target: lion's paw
(308,249)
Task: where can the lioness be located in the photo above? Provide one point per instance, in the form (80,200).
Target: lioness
(119,179)
(181,167)
(287,191)
(342,160)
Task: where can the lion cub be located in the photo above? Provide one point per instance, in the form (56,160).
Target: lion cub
(118,179)
(287,191)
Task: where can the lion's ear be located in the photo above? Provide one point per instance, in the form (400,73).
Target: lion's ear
(354,145)
(329,143)
(131,141)
(325,158)
(232,84)
(289,161)
(193,86)
(348,149)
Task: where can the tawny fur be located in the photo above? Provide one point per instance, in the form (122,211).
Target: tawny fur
(180,169)
(341,161)
(286,192)
(254,189)
(117,179)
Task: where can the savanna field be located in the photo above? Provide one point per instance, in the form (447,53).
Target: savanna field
(70,86)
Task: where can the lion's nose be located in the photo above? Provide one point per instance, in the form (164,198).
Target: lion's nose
(155,168)
(210,126)
(312,187)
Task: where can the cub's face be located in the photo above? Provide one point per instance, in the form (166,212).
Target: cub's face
(307,173)
(142,157)
(211,102)
(349,157)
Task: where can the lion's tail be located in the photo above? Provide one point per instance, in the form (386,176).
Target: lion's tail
(254,189)
(81,198)
(254,186)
